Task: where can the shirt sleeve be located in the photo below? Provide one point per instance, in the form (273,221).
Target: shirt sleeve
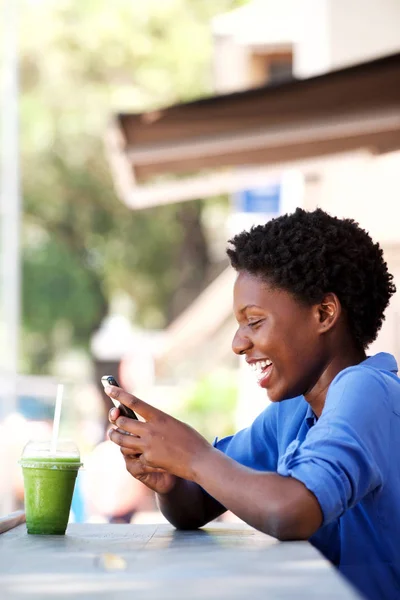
(345,455)
(256,446)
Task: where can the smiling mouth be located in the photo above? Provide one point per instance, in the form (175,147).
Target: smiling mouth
(262,370)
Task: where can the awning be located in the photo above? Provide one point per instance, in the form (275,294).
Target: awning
(228,139)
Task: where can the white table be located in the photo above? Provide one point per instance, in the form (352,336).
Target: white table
(146,562)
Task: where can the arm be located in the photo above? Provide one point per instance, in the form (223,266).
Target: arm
(188,506)
(345,456)
(279,506)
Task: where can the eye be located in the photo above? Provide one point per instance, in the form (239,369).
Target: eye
(254,324)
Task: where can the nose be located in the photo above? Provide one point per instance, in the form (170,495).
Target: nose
(241,343)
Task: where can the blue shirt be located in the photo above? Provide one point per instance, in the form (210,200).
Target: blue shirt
(349,459)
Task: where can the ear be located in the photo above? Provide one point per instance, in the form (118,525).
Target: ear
(328,312)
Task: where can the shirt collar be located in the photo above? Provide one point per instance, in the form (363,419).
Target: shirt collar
(311,418)
(382,361)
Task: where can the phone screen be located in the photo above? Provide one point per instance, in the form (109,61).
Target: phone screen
(124,410)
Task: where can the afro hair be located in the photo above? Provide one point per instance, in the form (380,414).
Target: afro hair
(311,253)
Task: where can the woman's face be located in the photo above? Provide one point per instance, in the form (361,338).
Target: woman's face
(280,337)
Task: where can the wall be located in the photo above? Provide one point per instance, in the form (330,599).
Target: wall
(326,35)
(388,339)
(367,189)
(336,33)
(362,30)
(312,54)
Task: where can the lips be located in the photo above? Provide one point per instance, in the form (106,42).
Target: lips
(262,369)
(265,376)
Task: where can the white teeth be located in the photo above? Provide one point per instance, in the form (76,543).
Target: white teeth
(258,366)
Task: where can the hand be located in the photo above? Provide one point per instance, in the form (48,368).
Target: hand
(160,445)
(156,479)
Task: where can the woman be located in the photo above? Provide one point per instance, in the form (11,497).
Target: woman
(321,462)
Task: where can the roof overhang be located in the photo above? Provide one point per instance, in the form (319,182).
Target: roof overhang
(233,140)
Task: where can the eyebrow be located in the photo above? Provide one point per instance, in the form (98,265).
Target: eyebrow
(242,310)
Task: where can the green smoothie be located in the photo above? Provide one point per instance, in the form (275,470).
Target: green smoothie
(49,483)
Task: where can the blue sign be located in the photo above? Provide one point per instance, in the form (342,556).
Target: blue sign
(262,200)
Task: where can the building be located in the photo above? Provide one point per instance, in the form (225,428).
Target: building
(307,90)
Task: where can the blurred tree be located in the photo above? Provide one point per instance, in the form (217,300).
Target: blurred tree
(80,61)
(209,404)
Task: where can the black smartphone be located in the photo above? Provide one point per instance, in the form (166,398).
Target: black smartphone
(124,410)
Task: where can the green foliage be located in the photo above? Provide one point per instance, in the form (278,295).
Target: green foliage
(210,405)
(80,62)
(65,281)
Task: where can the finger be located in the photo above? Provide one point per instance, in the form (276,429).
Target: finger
(115,428)
(113,414)
(135,444)
(145,410)
(137,468)
(145,470)
(148,468)
(136,458)
(127,453)
(131,425)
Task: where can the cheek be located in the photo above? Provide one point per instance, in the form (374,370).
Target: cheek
(296,357)
(301,343)
(300,366)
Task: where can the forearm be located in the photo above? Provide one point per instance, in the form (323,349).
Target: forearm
(187,506)
(279,506)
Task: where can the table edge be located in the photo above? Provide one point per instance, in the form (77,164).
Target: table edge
(12,520)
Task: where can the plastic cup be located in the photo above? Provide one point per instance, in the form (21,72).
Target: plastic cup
(49,481)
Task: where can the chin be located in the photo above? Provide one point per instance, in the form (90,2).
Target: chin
(280,396)
(275,397)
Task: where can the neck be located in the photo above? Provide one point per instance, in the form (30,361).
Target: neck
(316,395)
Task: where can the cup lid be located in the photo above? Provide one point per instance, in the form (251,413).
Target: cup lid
(66,448)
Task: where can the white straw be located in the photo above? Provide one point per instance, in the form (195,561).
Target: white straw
(57,414)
